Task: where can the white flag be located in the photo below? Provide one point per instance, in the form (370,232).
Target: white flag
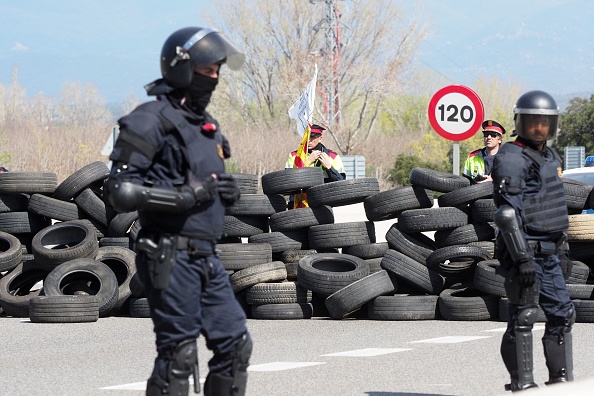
(302,109)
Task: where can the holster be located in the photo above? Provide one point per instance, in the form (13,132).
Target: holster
(160,258)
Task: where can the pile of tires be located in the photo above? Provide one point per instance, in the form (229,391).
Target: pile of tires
(65,255)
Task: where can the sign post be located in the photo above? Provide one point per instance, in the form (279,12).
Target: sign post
(456,113)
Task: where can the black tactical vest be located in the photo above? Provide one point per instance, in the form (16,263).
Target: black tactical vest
(544,203)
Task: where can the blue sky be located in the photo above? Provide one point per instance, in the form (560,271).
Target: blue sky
(115,45)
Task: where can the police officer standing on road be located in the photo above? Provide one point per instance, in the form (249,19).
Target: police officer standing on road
(532,219)
(168,165)
(479,163)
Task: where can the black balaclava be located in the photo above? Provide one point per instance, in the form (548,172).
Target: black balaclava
(200,91)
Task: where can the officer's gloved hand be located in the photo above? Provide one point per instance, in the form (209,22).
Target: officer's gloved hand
(527,273)
(205,190)
(228,189)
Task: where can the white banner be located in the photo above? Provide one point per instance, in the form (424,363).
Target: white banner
(302,109)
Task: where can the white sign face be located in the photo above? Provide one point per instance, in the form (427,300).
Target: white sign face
(455,112)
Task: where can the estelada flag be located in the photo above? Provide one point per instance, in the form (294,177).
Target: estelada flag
(302,112)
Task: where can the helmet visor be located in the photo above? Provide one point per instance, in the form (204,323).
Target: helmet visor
(208,47)
(537,127)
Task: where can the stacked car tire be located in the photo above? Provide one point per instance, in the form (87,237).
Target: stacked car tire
(65,255)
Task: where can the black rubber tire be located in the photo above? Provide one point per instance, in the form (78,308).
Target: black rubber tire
(139,307)
(115,241)
(122,261)
(13,203)
(482,210)
(436,180)
(11,251)
(248,183)
(326,273)
(64,309)
(257,205)
(244,226)
(431,219)
(487,280)
(79,180)
(358,293)
(343,192)
(468,303)
(283,240)
(277,293)
(293,256)
(340,235)
(22,222)
(53,208)
(301,218)
(121,224)
(28,182)
(417,246)
(93,205)
(84,276)
(292,180)
(581,291)
(267,272)
(403,307)
(18,286)
(389,204)
(465,234)
(368,250)
(282,311)
(238,256)
(584,311)
(466,195)
(456,259)
(71,239)
(412,272)
(579,273)
(577,194)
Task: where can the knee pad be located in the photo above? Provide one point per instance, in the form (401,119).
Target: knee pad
(185,356)
(527,316)
(242,353)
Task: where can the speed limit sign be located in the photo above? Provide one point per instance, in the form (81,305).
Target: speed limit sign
(456,112)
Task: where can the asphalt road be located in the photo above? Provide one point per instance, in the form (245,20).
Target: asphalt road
(319,356)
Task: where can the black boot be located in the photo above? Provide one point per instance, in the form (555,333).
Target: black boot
(558,357)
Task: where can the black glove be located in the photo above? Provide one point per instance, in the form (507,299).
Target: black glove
(527,273)
(228,189)
(204,191)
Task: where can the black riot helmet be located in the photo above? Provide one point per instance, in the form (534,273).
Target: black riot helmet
(194,46)
(536,109)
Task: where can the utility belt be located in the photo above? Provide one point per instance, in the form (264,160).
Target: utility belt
(549,247)
(160,252)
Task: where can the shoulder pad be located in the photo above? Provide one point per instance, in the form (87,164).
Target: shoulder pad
(475,152)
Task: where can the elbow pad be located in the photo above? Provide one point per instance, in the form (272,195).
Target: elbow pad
(507,222)
(128,197)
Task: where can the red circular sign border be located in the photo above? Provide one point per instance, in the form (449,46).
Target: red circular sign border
(474,98)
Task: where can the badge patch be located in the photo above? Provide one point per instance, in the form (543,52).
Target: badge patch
(220,151)
(560,172)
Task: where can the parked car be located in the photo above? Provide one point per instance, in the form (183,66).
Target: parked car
(584,175)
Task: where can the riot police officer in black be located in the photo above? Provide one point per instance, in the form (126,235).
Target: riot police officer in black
(168,164)
(531,243)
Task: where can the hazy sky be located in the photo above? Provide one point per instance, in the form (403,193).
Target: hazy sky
(115,45)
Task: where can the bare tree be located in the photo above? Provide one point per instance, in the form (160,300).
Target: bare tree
(282,46)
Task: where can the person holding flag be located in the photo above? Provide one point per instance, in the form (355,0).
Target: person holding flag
(311,151)
(317,155)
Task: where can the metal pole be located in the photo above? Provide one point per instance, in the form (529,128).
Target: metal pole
(456,170)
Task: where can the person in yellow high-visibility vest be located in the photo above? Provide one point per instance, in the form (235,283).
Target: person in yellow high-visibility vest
(319,155)
(479,163)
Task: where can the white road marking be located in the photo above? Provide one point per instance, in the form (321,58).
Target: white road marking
(449,339)
(368,352)
(502,329)
(279,366)
(140,386)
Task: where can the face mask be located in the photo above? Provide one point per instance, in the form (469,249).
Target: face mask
(200,91)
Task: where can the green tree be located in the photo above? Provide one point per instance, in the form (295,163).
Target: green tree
(576,125)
